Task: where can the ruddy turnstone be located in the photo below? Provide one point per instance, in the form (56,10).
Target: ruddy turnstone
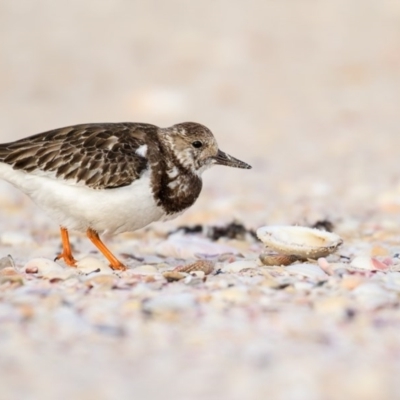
(112,177)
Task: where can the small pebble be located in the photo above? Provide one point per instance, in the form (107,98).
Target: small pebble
(42,266)
(325,266)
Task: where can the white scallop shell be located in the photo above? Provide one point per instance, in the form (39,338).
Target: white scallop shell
(299,241)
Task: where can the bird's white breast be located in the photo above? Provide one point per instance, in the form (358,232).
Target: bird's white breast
(78,207)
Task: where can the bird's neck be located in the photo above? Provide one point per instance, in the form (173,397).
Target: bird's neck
(175,186)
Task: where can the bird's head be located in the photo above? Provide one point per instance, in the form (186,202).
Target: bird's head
(195,147)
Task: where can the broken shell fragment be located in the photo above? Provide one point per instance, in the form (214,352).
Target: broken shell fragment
(274,259)
(299,241)
(307,270)
(201,265)
(172,276)
(368,263)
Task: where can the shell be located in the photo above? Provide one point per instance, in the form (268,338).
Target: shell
(172,276)
(42,266)
(368,263)
(106,282)
(238,266)
(89,265)
(308,270)
(202,265)
(274,259)
(299,241)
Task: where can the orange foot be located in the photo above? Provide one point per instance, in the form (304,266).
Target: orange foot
(115,264)
(66,254)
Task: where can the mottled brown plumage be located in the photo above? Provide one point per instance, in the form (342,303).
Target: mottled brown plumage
(101,156)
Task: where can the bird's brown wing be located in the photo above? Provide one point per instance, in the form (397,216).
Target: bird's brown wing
(101,156)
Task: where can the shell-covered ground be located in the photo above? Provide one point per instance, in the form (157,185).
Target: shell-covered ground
(308,94)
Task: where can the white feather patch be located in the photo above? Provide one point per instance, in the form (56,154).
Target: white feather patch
(78,207)
(173,173)
(142,150)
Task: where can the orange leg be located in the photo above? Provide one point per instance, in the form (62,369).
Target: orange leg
(114,262)
(66,254)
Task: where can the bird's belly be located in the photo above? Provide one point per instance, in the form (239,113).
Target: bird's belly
(78,207)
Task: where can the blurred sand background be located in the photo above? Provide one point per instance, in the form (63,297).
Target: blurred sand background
(307,92)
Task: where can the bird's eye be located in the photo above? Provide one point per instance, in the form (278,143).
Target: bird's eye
(197,144)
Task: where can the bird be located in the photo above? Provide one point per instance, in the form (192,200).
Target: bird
(111,178)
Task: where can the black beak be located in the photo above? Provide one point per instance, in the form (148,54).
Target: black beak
(225,159)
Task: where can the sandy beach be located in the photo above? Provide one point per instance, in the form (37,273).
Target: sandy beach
(306,92)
